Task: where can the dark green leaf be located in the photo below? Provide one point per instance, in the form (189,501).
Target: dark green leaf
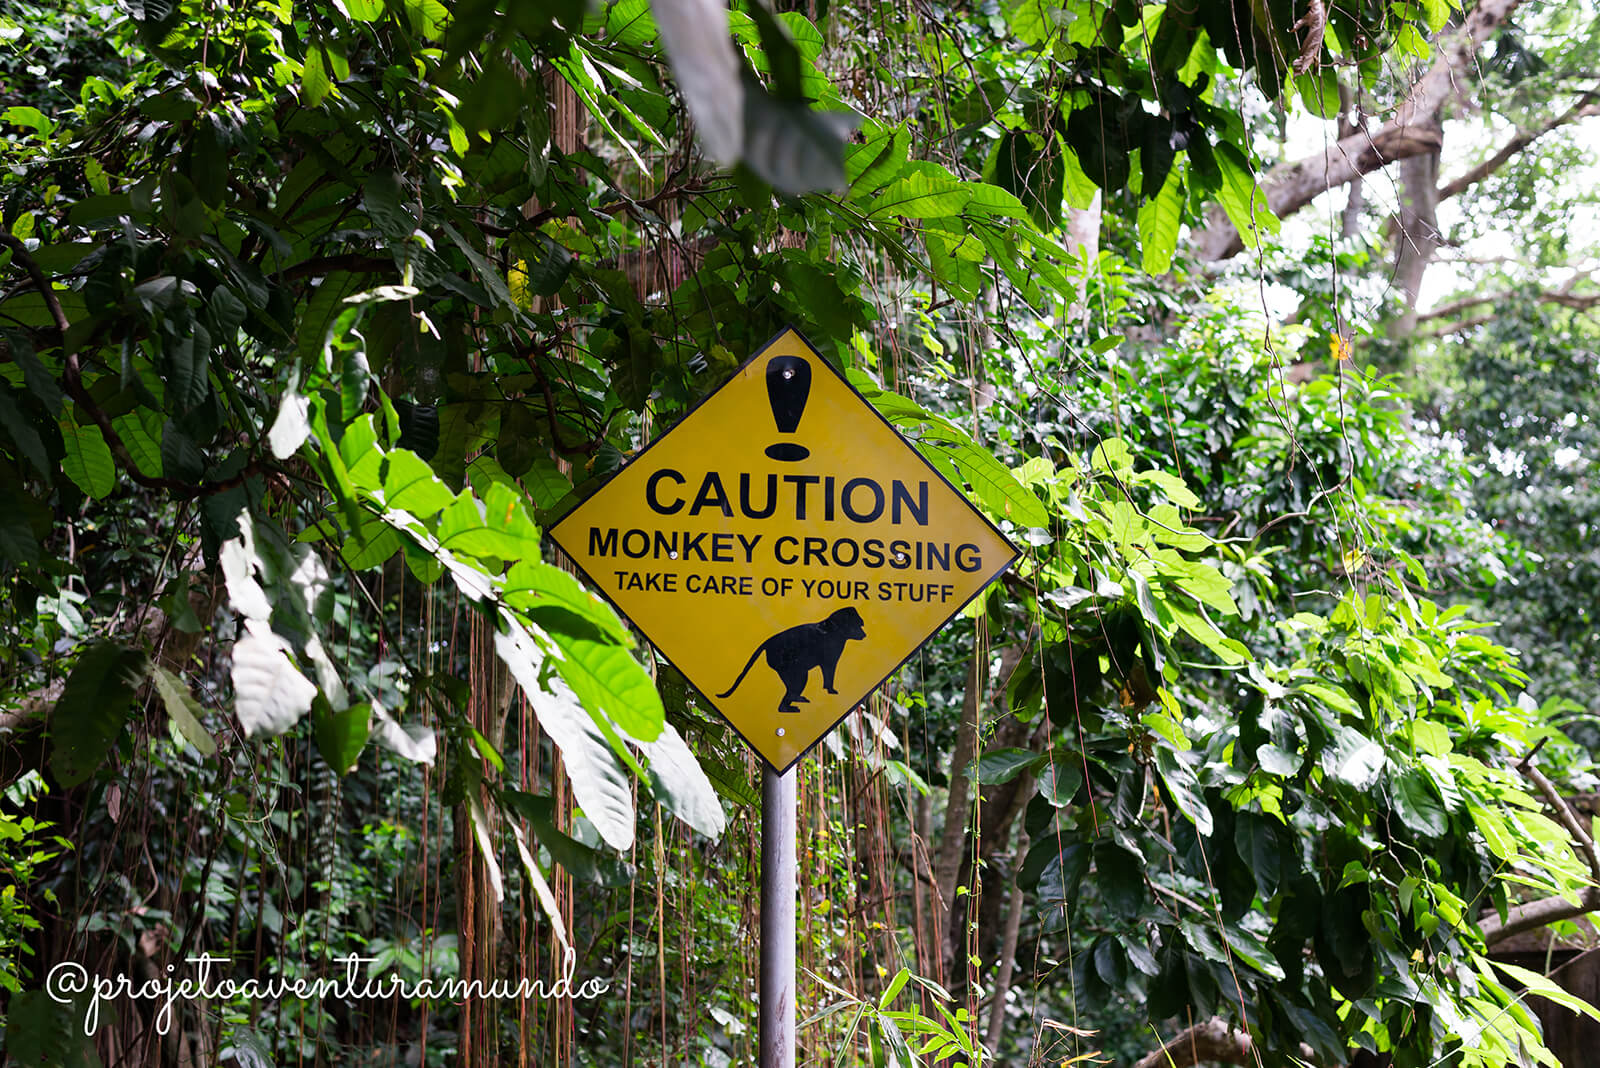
(93,708)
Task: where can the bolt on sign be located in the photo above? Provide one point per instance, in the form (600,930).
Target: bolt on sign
(784,547)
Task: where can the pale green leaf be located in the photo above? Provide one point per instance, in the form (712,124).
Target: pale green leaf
(681,785)
(183,708)
(599,784)
(270,694)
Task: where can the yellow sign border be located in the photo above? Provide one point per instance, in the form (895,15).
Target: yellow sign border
(868,406)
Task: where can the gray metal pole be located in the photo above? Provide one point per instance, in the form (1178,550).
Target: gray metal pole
(777,918)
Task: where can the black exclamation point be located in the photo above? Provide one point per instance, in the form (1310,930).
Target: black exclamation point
(788,386)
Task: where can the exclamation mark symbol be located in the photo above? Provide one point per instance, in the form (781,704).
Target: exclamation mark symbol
(788,386)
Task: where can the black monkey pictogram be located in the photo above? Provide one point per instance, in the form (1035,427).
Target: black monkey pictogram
(794,652)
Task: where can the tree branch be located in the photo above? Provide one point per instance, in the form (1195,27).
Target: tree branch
(1292,186)
(1535,914)
(1211,1040)
(1584,108)
(1577,301)
(1541,913)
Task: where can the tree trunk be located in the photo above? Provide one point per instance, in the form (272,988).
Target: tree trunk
(1412,131)
(1083,239)
(1416,235)
(1351,122)
(957,810)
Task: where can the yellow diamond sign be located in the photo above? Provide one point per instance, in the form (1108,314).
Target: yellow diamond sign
(784,547)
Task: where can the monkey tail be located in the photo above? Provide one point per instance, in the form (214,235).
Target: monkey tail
(747,665)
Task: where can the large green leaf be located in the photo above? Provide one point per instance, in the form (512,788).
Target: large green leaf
(599,783)
(1159,219)
(92,709)
(536,588)
(607,678)
(1243,200)
(87,459)
(140,431)
(341,734)
(15,423)
(921,195)
(1002,765)
(410,485)
(997,487)
(497,527)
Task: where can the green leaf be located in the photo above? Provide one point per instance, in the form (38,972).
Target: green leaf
(1180,781)
(599,784)
(410,485)
(1502,843)
(183,708)
(498,526)
(140,431)
(23,434)
(292,426)
(364,10)
(1319,91)
(370,546)
(1256,841)
(18,543)
(1276,761)
(541,886)
(93,708)
(545,484)
(1243,200)
(1418,808)
(608,680)
(584,863)
(87,459)
(1159,220)
(486,848)
(869,166)
(189,360)
(1059,782)
(997,487)
(341,735)
(1546,988)
(1354,759)
(31,117)
(534,586)
(793,146)
(921,195)
(1002,765)
(40,382)
(270,694)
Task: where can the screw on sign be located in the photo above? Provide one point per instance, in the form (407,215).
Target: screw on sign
(784,547)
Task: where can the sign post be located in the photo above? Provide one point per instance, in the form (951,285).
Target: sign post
(787,550)
(777,918)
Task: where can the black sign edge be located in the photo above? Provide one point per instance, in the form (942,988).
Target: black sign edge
(1016,554)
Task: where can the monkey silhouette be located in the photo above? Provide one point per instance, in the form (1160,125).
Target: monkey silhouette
(794,652)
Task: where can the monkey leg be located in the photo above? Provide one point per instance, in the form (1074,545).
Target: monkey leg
(792,696)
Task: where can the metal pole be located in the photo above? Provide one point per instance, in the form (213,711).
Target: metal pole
(777,918)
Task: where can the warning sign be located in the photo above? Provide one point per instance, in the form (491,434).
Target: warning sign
(784,547)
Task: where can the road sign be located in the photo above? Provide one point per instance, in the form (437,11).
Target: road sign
(784,547)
